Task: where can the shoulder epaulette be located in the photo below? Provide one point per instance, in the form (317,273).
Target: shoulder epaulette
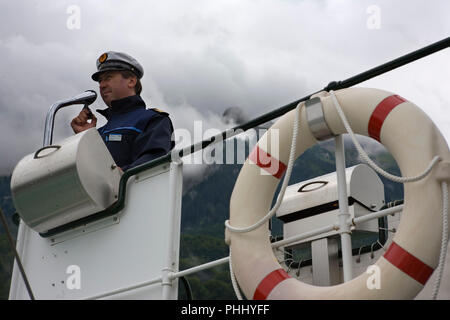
(160,111)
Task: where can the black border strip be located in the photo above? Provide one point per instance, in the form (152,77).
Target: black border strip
(302,214)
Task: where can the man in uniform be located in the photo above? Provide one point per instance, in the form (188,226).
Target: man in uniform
(133,134)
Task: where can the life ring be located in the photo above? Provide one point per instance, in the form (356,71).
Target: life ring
(413,140)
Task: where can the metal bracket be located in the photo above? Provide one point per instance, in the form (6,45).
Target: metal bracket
(316,120)
(443,171)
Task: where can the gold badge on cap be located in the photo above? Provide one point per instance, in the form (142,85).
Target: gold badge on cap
(103,58)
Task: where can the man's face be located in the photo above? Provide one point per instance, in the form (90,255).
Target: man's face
(114,86)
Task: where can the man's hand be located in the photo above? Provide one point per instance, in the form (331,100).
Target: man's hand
(81,123)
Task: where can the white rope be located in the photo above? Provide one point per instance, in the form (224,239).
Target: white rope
(277,204)
(369,161)
(444,242)
(389,176)
(283,187)
(372,164)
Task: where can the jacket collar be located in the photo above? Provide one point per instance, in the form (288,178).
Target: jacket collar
(123,105)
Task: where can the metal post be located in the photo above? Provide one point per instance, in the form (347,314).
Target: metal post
(173,237)
(325,261)
(343,215)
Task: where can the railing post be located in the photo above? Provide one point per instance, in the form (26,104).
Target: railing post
(173,237)
(344,214)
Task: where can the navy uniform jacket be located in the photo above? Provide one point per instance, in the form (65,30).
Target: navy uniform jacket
(135,135)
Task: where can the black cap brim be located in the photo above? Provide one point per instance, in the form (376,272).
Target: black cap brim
(97,74)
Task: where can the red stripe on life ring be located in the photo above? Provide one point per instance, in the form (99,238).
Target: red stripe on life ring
(265,161)
(407,263)
(267,284)
(381,112)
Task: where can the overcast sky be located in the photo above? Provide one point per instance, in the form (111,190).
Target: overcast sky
(201,57)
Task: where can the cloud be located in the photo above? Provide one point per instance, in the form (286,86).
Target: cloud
(202,57)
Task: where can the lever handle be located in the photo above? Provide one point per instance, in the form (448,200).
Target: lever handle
(43,148)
